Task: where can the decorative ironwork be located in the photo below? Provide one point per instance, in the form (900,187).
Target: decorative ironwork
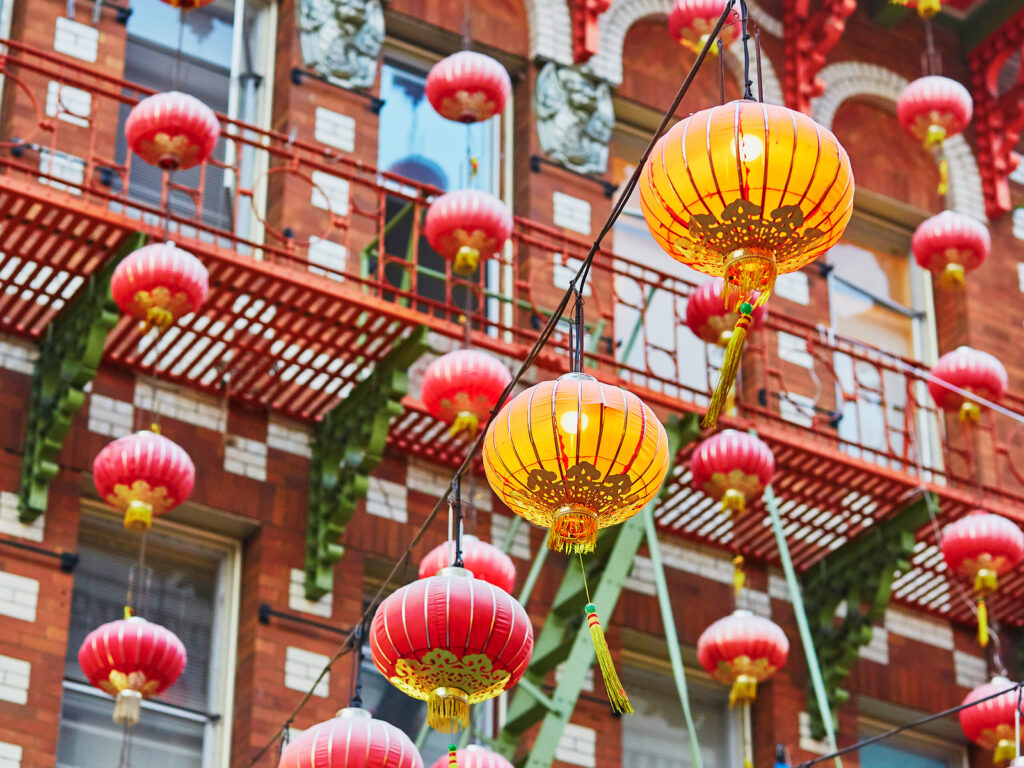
(69,354)
(574,117)
(348,444)
(859,575)
(341,39)
(809,37)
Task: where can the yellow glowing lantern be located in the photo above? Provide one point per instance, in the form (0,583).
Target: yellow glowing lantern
(746,191)
(575,455)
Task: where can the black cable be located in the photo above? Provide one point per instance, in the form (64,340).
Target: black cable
(908,726)
(576,348)
(356,699)
(747,93)
(456,496)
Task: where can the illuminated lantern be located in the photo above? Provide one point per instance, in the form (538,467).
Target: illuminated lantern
(990,724)
(160,283)
(980,547)
(732,467)
(461,387)
(575,455)
(932,109)
(970,369)
(468,87)
(950,244)
(746,191)
(142,475)
(473,757)
(467,225)
(452,640)
(484,560)
(172,130)
(188,5)
(131,659)
(711,320)
(692,21)
(351,739)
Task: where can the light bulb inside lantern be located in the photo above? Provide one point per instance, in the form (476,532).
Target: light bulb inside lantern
(573,422)
(750,147)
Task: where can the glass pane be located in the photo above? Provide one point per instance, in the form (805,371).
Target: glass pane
(202,33)
(887,756)
(655,737)
(182,596)
(419,144)
(89,739)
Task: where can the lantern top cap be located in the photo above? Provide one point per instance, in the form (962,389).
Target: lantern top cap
(576,376)
(742,613)
(353,713)
(463,573)
(1000,680)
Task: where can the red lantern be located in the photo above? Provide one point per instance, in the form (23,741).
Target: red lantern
(973,370)
(934,108)
(980,547)
(160,283)
(691,21)
(468,87)
(990,724)
(351,739)
(474,757)
(143,474)
(452,640)
(172,130)
(188,5)
(732,467)
(467,225)
(461,387)
(951,244)
(131,659)
(484,560)
(711,319)
(742,650)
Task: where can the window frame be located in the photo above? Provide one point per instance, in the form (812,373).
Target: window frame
(955,753)
(217,731)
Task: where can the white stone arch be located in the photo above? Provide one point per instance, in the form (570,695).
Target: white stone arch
(616,21)
(848,79)
(550,30)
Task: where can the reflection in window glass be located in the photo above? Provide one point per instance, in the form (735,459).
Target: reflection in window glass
(910,754)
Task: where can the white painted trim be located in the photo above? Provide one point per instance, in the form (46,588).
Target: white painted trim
(550,30)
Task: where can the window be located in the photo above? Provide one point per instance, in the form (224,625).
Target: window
(913,751)
(654,736)
(217,53)
(191,590)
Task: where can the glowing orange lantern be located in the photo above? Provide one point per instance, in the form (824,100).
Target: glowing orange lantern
(711,320)
(465,226)
(732,467)
(172,130)
(972,370)
(951,244)
(991,724)
(452,640)
(468,87)
(980,547)
(131,659)
(483,559)
(461,387)
(746,191)
(144,474)
(692,21)
(159,283)
(351,739)
(575,455)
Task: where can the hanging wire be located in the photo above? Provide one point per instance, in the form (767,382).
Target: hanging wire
(576,336)
(457,506)
(744,17)
(355,698)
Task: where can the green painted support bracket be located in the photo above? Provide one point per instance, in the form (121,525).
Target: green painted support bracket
(69,355)
(859,574)
(348,444)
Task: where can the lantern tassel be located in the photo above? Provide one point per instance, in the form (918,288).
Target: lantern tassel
(730,365)
(943,176)
(739,577)
(744,690)
(466,425)
(616,693)
(448,710)
(970,412)
(127,707)
(734,501)
(1004,752)
(982,623)
(953,276)
(453,757)
(574,530)
(466,261)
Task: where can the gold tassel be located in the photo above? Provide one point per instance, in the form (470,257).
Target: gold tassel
(616,694)
(159,318)
(970,412)
(1005,751)
(466,424)
(466,261)
(739,578)
(943,176)
(986,581)
(953,276)
(448,710)
(744,690)
(926,9)
(574,530)
(730,365)
(734,501)
(982,623)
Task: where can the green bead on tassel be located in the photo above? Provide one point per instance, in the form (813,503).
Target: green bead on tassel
(616,693)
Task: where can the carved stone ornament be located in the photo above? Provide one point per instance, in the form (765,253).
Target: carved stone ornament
(574,117)
(341,39)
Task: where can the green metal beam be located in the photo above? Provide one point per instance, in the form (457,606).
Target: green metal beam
(348,443)
(69,355)
(987,20)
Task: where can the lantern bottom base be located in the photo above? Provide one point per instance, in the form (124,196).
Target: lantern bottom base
(1004,752)
(466,424)
(574,530)
(127,707)
(139,516)
(744,690)
(750,274)
(970,412)
(448,710)
(953,276)
(733,501)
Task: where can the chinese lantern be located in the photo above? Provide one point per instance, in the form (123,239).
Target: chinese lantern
(188,5)
(160,283)
(951,244)
(468,87)
(711,320)
(575,455)
(131,659)
(452,640)
(990,724)
(143,474)
(351,739)
(460,388)
(465,226)
(473,756)
(732,467)
(746,191)
(483,559)
(172,130)
(932,109)
(980,547)
(970,369)
(692,21)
